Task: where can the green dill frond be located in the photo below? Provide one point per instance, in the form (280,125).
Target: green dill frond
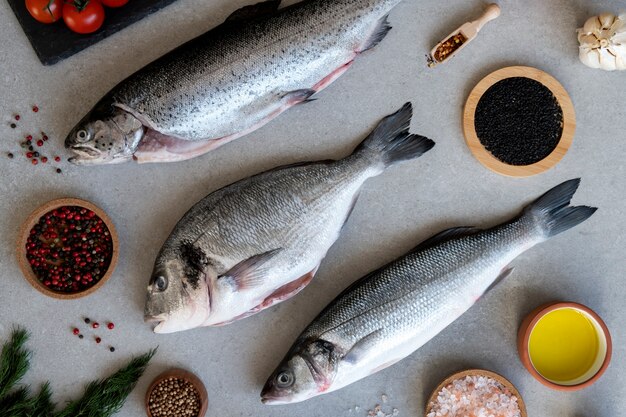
(14,361)
(105,397)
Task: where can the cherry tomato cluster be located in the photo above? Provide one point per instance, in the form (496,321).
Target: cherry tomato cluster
(81,16)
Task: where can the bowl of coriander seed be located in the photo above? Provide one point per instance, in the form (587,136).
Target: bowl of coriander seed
(176,392)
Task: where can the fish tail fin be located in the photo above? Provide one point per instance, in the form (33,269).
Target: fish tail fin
(552,211)
(391,142)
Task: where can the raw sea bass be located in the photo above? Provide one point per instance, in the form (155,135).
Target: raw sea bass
(259,241)
(388,314)
(229,81)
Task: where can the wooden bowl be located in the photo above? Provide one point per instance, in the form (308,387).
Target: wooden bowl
(478,372)
(187,376)
(485,157)
(30,223)
(528,324)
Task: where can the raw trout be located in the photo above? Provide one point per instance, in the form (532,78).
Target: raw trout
(259,241)
(388,314)
(228,82)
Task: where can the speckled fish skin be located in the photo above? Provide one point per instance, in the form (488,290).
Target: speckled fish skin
(259,241)
(390,313)
(233,80)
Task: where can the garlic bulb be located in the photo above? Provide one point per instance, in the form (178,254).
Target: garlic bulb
(603,42)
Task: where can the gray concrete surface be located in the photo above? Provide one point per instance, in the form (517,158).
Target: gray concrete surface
(445,188)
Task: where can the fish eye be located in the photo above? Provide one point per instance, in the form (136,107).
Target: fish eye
(285,379)
(161,283)
(82,134)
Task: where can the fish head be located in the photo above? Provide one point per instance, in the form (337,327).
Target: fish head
(307,371)
(106,135)
(177,296)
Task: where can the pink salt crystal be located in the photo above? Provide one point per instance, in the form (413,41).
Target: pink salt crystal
(478,396)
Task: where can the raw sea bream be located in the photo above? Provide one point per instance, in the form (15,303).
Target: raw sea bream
(228,82)
(259,241)
(390,313)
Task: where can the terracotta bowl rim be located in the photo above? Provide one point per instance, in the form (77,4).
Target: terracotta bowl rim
(478,372)
(529,323)
(34,217)
(187,376)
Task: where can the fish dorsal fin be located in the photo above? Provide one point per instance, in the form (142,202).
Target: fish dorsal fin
(250,272)
(252,11)
(445,236)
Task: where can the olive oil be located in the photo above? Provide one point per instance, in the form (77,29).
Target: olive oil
(563,345)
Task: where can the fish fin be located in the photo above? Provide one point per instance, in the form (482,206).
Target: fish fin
(390,142)
(378,35)
(250,272)
(299,96)
(503,274)
(552,211)
(252,11)
(444,236)
(360,348)
(288,290)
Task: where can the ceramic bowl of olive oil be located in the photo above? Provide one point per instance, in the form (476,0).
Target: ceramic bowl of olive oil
(565,346)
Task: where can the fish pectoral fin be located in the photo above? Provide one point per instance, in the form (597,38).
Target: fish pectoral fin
(252,11)
(503,274)
(378,35)
(360,348)
(299,96)
(445,236)
(249,273)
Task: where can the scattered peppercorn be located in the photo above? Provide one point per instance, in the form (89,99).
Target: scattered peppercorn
(59,170)
(17,117)
(10,155)
(29,138)
(13,125)
(44,159)
(87,320)
(36,154)
(80,336)
(57,158)
(35,109)
(34,161)
(111,326)
(95,325)
(174,397)
(29,155)
(112,349)
(519,121)
(40,142)
(69,249)
(98,340)
(30,148)
(75,331)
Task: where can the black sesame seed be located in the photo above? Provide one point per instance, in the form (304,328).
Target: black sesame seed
(10,155)
(519,121)
(13,125)
(36,154)
(112,349)
(87,320)
(30,148)
(80,336)
(59,170)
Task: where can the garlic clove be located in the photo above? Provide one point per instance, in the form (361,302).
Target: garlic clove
(590,58)
(589,41)
(607,59)
(591,25)
(606,20)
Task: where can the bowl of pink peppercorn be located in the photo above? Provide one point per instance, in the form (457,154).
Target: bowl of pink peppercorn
(67,248)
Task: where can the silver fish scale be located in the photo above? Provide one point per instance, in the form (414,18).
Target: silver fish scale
(415,292)
(302,206)
(233,78)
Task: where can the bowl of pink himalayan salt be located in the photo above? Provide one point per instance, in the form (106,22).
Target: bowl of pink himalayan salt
(475,393)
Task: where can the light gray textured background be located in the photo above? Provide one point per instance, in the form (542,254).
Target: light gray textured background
(446,187)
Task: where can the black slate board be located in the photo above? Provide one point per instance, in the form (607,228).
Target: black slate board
(55,42)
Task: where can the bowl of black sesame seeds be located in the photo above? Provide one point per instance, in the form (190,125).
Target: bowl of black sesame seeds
(519,121)
(176,393)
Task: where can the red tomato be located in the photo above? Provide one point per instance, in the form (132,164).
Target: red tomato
(45,11)
(114,3)
(83,16)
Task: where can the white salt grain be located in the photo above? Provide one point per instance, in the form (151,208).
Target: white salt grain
(478,396)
